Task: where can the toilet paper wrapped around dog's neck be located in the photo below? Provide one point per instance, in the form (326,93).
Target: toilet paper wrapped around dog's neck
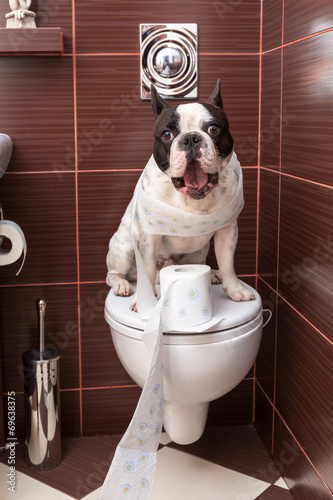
(157,217)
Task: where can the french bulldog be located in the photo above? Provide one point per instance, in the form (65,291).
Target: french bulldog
(190,170)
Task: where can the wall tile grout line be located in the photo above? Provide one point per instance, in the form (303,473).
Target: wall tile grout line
(78,389)
(260,83)
(39,284)
(117,54)
(123,54)
(278,226)
(295,439)
(258,188)
(93,388)
(34,54)
(285,174)
(77,215)
(96,282)
(299,313)
(93,171)
(259,140)
(298,40)
(229,53)
(275,364)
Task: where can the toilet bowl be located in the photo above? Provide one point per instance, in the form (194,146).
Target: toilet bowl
(198,367)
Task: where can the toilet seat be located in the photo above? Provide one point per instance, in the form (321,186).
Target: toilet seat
(236,318)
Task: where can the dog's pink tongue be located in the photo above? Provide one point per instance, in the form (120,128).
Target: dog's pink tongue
(195,177)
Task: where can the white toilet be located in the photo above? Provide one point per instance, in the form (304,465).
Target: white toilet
(198,367)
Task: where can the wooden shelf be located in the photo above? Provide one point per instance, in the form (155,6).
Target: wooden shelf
(31,40)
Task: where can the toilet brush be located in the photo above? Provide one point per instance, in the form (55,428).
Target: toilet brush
(42,402)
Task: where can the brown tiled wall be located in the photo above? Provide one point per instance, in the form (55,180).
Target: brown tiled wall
(294,408)
(81,137)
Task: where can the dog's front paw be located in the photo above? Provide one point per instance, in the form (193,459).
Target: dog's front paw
(238,292)
(215,276)
(122,287)
(119,284)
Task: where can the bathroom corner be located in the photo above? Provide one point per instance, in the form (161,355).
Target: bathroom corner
(293,374)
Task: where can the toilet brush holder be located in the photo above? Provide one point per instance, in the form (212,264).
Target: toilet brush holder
(42,402)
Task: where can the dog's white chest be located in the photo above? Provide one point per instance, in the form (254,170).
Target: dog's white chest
(183,245)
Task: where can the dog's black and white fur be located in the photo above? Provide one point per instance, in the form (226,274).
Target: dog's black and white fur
(192,150)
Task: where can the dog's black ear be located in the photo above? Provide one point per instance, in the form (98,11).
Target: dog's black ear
(157,102)
(216,99)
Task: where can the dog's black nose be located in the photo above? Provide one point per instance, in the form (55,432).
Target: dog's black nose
(190,140)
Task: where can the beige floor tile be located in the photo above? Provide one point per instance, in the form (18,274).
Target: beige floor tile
(180,475)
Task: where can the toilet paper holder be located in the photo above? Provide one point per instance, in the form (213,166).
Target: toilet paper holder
(9,230)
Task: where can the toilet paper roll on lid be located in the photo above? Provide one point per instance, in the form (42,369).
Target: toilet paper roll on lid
(186,295)
(14,233)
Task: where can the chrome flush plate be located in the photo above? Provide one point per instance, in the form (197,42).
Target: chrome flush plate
(169,60)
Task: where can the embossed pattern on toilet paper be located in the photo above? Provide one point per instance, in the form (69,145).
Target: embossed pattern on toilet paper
(188,301)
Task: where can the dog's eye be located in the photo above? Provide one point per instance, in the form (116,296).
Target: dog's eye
(167,135)
(213,129)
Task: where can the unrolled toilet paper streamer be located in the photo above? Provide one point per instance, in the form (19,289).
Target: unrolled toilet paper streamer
(14,233)
(133,466)
(185,297)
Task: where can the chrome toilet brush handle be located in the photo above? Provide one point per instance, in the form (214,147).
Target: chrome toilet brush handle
(41,307)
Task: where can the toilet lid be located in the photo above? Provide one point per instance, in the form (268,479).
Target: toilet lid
(232,313)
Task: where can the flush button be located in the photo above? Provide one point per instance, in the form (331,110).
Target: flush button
(169,60)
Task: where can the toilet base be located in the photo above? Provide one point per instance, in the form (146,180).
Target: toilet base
(185,423)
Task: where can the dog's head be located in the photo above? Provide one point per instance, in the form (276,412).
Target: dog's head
(192,142)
